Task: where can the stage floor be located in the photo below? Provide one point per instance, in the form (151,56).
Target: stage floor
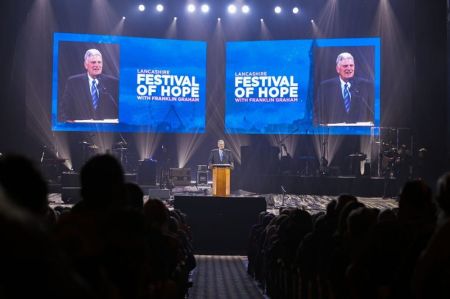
(323,185)
(275,201)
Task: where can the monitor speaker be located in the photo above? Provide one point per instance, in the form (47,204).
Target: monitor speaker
(180,176)
(147,172)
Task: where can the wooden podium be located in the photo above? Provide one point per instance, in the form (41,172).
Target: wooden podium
(221,179)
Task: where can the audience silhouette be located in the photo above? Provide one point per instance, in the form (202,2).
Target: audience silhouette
(353,251)
(113,245)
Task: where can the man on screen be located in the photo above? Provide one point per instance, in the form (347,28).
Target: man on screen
(345,98)
(220,155)
(90,95)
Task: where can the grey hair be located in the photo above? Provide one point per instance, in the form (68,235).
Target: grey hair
(92,52)
(343,56)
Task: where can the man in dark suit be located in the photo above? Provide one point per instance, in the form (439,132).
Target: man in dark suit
(220,155)
(346,98)
(91,95)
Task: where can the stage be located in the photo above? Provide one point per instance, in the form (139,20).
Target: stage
(324,185)
(370,187)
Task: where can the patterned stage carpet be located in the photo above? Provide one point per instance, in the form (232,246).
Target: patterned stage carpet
(310,203)
(318,203)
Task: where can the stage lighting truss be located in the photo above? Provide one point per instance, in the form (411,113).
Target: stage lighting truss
(205,8)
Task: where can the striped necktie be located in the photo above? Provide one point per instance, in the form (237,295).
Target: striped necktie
(347,98)
(94,93)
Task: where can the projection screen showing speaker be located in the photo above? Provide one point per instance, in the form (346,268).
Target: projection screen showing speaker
(323,86)
(128,84)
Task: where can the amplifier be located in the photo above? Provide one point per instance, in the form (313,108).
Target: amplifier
(180,176)
(202,177)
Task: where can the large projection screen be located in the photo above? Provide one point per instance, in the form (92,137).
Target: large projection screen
(293,87)
(143,84)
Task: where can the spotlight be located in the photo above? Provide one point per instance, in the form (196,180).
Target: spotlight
(123,18)
(205,8)
(174,18)
(245,9)
(191,8)
(295,10)
(277,9)
(218,19)
(159,8)
(232,9)
(312,21)
(141,7)
(262,20)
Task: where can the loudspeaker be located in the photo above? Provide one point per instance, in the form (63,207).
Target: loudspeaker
(147,172)
(159,193)
(130,177)
(202,177)
(70,195)
(180,176)
(70,179)
(220,225)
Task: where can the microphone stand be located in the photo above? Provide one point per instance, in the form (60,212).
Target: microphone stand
(283,190)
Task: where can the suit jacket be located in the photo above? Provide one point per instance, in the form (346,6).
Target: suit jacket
(76,102)
(214,157)
(330,106)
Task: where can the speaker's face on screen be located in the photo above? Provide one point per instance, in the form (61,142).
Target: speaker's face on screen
(94,65)
(346,69)
(221,144)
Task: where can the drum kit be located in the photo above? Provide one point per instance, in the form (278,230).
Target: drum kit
(393,160)
(88,149)
(119,150)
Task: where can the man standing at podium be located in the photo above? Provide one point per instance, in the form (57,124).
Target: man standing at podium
(220,155)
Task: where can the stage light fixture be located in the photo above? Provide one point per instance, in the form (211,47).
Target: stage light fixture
(123,18)
(191,8)
(262,20)
(159,8)
(174,18)
(312,21)
(141,7)
(277,9)
(245,9)
(232,9)
(218,19)
(204,8)
(295,10)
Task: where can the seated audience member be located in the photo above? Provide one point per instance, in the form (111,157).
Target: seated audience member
(432,271)
(24,185)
